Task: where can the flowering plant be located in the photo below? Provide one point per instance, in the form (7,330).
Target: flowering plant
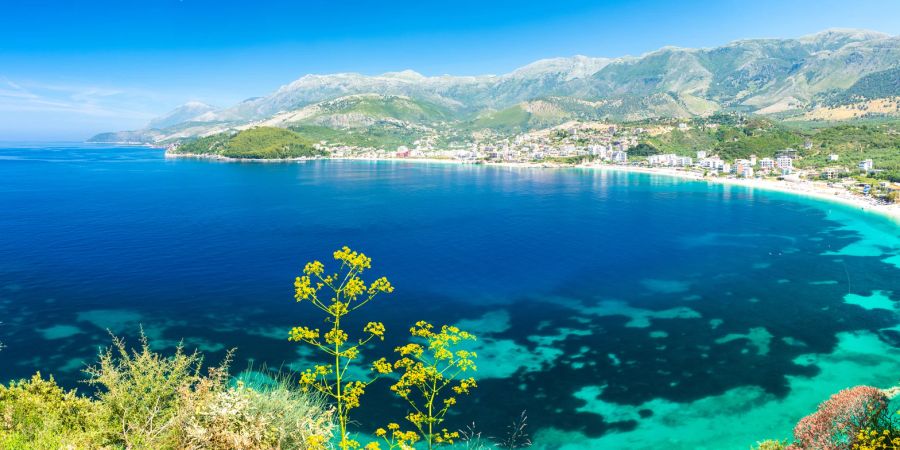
(430,380)
(337,295)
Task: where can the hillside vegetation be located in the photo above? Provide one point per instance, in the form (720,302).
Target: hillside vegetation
(380,135)
(885,83)
(766,138)
(255,143)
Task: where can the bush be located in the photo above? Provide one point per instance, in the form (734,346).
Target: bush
(141,392)
(838,421)
(37,413)
(273,417)
(146,400)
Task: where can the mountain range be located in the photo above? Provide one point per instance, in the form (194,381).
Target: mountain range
(777,77)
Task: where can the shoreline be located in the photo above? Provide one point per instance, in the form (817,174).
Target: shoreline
(809,189)
(239,160)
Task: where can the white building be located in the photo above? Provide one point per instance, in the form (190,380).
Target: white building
(712,163)
(619,157)
(701,154)
(785,163)
(746,172)
(669,160)
(766,164)
(866,165)
(598,150)
(833,157)
(740,167)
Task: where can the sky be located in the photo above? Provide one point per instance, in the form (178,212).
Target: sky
(69,69)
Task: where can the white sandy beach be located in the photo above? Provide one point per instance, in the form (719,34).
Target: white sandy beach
(814,189)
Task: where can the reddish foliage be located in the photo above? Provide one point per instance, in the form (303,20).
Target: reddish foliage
(837,421)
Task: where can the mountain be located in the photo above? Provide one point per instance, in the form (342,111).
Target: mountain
(361,110)
(190,111)
(787,77)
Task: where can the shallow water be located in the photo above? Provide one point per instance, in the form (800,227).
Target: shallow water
(619,310)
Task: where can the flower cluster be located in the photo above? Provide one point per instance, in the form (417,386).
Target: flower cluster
(872,439)
(394,438)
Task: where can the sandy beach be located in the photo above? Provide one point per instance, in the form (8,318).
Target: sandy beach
(813,189)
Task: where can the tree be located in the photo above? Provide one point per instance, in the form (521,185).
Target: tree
(643,149)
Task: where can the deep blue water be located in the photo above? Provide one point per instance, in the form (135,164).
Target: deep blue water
(591,290)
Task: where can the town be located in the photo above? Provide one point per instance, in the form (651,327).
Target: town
(593,143)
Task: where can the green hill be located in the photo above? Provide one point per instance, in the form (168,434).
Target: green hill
(379,135)
(255,143)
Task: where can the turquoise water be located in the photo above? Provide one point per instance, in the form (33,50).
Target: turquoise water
(619,310)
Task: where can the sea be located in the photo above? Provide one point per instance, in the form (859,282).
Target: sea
(613,310)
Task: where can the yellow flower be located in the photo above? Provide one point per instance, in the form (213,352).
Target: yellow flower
(336,337)
(338,308)
(315,442)
(354,287)
(314,268)
(381,366)
(303,334)
(380,285)
(303,289)
(355,260)
(375,329)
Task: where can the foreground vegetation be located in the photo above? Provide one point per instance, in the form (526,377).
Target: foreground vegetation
(857,418)
(254,143)
(145,400)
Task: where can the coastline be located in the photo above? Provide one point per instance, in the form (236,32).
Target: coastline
(809,189)
(221,158)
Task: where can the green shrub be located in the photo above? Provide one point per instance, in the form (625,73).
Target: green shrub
(38,414)
(273,417)
(142,393)
(146,400)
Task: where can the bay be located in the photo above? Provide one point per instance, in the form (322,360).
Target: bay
(619,310)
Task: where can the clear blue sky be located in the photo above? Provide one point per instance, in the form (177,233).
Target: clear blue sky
(72,68)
